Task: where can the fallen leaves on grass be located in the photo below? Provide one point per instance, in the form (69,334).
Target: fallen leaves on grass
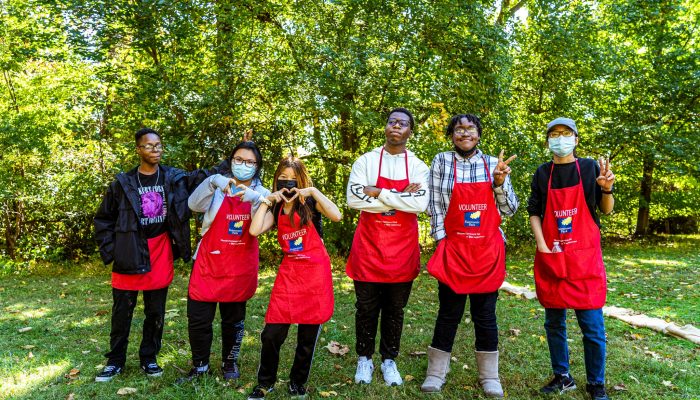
(25,329)
(328,393)
(514,331)
(70,396)
(337,348)
(633,336)
(100,313)
(417,353)
(126,391)
(72,374)
(408,378)
(28,346)
(620,387)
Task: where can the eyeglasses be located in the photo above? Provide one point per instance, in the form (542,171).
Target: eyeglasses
(466,131)
(565,133)
(150,147)
(402,123)
(239,161)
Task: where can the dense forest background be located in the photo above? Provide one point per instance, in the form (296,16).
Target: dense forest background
(317,77)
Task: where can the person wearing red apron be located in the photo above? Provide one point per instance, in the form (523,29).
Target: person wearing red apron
(225,271)
(569,270)
(303,290)
(388,185)
(141,227)
(467,200)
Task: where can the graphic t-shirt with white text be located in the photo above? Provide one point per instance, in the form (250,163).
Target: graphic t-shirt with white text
(153,204)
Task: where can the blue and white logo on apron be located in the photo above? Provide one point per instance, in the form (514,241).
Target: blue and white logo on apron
(472,219)
(296,244)
(235,228)
(389,213)
(564,224)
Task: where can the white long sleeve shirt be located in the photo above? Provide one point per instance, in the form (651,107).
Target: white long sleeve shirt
(365,172)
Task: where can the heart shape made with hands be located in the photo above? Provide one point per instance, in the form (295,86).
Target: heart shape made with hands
(292,190)
(233,190)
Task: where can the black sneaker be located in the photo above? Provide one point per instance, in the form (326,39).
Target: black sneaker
(560,384)
(192,375)
(597,391)
(259,392)
(297,391)
(230,370)
(152,369)
(108,373)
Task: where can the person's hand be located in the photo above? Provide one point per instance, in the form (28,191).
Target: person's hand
(372,191)
(412,188)
(304,193)
(544,249)
(241,192)
(606,178)
(227,188)
(276,197)
(502,169)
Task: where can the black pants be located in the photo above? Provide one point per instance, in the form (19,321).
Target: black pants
(483,313)
(272,337)
(389,299)
(200,316)
(123,305)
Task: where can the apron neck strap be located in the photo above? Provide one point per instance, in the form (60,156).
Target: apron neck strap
(381,157)
(454,168)
(578,169)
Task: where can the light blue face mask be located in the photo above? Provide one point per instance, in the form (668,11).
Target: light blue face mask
(243,172)
(562,146)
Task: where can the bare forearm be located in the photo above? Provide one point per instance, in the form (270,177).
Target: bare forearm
(326,206)
(536,225)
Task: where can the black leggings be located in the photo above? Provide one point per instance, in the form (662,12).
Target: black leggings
(200,316)
(272,338)
(483,313)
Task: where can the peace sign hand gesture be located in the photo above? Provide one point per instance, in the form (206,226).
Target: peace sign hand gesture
(502,169)
(606,178)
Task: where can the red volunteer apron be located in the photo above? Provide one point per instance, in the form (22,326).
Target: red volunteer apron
(385,246)
(160,253)
(226,267)
(575,277)
(303,289)
(471,258)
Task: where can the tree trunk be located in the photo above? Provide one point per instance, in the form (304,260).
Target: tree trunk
(645,195)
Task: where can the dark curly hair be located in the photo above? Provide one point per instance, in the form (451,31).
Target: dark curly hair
(457,118)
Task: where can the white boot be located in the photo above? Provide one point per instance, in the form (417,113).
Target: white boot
(487,362)
(438,367)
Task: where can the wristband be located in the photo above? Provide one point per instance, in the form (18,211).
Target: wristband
(267,202)
(607,191)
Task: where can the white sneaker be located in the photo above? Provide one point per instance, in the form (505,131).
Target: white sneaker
(391,373)
(364,370)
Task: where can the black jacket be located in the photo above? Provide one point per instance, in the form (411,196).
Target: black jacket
(118,232)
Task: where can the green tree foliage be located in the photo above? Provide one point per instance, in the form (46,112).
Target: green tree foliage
(317,78)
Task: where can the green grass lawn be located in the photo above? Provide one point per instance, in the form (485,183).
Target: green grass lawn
(68,310)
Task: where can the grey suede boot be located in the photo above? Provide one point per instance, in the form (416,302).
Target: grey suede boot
(438,367)
(487,362)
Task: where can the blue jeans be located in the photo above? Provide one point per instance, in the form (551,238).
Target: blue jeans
(593,329)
